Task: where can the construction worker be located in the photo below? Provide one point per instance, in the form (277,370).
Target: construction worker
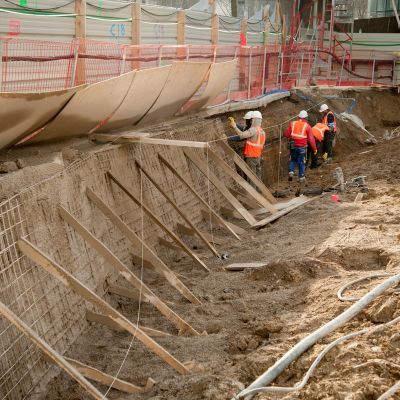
(299,134)
(318,131)
(329,120)
(255,140)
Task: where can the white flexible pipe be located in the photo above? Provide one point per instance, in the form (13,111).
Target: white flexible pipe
(272,373)
(345,287)
(389,393)
(321,355)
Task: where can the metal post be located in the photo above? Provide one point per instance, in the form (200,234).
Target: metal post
(278,67)
(263,73)
(249,79)
(123,61)
(301,67)
(187,53)
(373,69)
(341,71)
(75,66)
(281,72)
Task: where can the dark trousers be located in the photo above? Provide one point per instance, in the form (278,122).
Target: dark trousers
(298,159)
(328,143)
(313,157)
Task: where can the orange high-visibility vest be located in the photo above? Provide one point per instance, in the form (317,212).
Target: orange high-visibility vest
(325,120)
(299,130)
(254,148)
(319,131)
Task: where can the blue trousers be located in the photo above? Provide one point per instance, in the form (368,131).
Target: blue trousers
(298,158)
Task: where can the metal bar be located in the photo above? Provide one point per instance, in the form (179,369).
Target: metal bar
(263,73)
(123,62)
(373,69)
(159,55)
(249,79)
(341,71)
(73,75)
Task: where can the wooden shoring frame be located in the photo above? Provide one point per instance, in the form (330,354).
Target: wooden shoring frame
(50,353)
(249,173)
(107,321)
(221,164)
(203,168)
(119,266)
(245,198)
(235,228)
(134,138)
(158,222)
(101,377)
(166,243)
(178,210)
(148,254)
(216,216)
(58,272)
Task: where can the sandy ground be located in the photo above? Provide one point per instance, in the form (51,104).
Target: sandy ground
(254,317)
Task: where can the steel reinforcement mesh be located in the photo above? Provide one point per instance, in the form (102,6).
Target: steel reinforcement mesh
(52,310)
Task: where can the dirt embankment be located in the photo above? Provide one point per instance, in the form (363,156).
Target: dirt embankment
(253,317)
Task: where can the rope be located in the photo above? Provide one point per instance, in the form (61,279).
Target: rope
(141,279)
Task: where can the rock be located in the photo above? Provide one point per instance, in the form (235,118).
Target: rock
(214,327)
(223,390)
(8,166)
(20,163)
(382,313)
(269,327)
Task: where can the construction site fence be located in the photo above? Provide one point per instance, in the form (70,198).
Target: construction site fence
(38,66)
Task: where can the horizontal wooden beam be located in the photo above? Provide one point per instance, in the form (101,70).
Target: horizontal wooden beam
(50,353)
(249,173)
(205,170)
(178,210)
(223,166)
(148,254)
(42,260)
(109,322)
(116,263)
(126,138)
(189,186)
(158,222)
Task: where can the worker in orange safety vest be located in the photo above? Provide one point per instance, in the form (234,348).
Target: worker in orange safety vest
(329,120)
(318,131)
(254,145)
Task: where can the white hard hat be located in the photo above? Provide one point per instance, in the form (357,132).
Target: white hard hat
(257,114)
(248,115)
(303,114)
(323,108)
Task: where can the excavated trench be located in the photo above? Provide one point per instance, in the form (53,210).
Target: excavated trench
(251,317)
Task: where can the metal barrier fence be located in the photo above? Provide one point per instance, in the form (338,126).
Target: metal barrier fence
(37,66)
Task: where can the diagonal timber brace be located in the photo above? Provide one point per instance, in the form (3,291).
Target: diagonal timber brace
(74,284)
(137,242)
(111,259)
(158,222)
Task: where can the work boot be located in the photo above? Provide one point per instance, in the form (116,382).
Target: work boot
(291,175)
(302,183)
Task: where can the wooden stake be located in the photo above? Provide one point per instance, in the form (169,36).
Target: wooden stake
(239,180)
(249,173)
(148,254)
(50,352)
(179,211)
(158,222)
(203,168)
(126,272)
(101,377)
(70,281)
(189,186)
(109,322)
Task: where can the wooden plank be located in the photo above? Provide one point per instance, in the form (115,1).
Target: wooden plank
(111,259)
(124,292)
(189,186)
(134,138)
(249,173)
(158,222)
(106,379)
(107,321)
(203,168)
(244,197)
(50,352)
(189,231)
(179,211)
(243,266)
(148,254)
(242,182)
(281,213)
(32,252)
(168,244)
(235,228)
